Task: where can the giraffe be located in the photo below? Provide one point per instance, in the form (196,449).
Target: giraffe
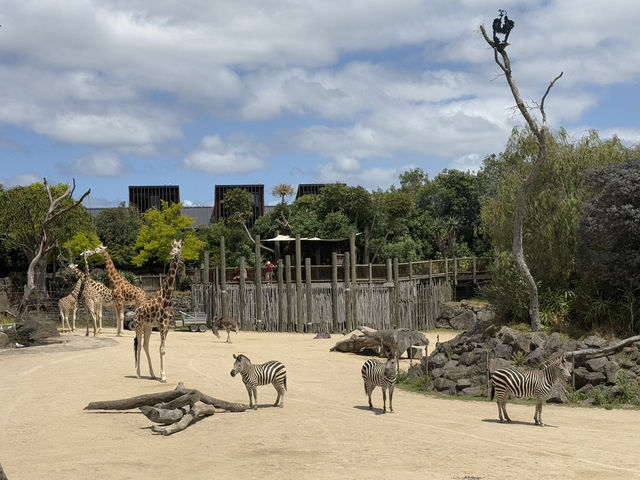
(69,307)
(123,291)
(156,312)
(94,296)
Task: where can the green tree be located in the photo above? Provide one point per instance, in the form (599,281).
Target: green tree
(609,241)
(159,228)
(282,190)
(239,206)
(118,229)
(36,219)
(554,205)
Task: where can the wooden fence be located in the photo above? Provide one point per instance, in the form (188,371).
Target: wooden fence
(412,304)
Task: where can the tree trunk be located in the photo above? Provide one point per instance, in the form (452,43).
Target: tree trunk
(524,190)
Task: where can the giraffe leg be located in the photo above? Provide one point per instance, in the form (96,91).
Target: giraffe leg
(138,346)
(147,335)
(164,329)
(73,318)
(119,309)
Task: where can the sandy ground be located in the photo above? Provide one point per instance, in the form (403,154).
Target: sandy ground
(324,430)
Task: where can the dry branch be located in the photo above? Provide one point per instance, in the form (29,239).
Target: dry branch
(601,352)
(198,411)
(391,342)
(135,402)
(162,415)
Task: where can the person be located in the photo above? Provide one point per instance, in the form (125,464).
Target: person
(268,267)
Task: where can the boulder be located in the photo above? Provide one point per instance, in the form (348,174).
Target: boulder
(449,310)
(464,321)
(35,332)
(584,376)
(444,385)
(502,350)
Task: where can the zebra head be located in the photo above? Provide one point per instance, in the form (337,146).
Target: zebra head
(558,368)
(391,367)
(241,364)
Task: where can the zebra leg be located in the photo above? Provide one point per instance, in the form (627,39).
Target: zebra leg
(280,397)
(368,391)
(255,397)
(391,398)
(538,415)
(384,399)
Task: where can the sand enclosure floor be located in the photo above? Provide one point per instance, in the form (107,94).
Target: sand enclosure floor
(324,430)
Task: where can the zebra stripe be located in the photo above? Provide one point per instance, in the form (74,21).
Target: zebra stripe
(378,374)
(272,372)
(531,383)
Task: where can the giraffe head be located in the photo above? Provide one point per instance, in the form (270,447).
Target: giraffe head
(99,249)
(176,248)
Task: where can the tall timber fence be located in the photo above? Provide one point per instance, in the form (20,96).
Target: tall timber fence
(331,298)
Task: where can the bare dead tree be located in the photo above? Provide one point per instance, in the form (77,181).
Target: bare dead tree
(46,243)
(540,132)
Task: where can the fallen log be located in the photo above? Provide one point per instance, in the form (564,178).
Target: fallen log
(601,352)
(199,410)
(135,402)
(165,400)
(162,415)
(390,342)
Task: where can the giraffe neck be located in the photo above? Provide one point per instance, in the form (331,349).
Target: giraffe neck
(76,289)
(112,273)
(168,285)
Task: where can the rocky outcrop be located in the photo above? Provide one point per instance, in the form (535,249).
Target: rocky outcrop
(462,365)
(464,315)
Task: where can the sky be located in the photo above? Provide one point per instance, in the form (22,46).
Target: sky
(112,93)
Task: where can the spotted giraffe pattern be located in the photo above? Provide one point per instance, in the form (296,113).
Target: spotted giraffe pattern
(157,312)
(124,293)
(68,307)
(95,295)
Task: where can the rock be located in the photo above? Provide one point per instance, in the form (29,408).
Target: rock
(593,342)
(471,358)
(463,383)
(322,335)
(611,369)
(415,352)
(535,358)
(473,391)
(464,321)
(502,350)
(487,314)
(4,340)
(584,376)
(415,370)
(449,310)
(596,364)
(557,394)
(34,332)
(444,385)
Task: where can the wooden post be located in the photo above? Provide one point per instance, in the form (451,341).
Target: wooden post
(410,270)
(474,271)
(396,293)
(242,291)
(308,293)
(347,293)
(390,285)
(446,269)
(300,311)
(430,272)
(365,254)
(455,270)
(354,278)
(287,267)
(334,292)
(281,309)
(205,286)
(258,283)
(370,275)
(223,279)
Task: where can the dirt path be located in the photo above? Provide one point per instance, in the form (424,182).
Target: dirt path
(323,432)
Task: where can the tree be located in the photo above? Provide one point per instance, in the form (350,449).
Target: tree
(118,229)
(36,219)
(282,190)
(159,229)
(239,206)
(540,134)
(609,238)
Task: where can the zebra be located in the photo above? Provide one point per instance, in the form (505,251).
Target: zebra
(272,372)
(532,383)
(378,374)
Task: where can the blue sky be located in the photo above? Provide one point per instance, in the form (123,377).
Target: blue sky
(196,93)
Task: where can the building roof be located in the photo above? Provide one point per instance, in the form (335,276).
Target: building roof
(202,214)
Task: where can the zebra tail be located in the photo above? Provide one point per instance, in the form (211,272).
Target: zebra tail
(285,382)
(493,391)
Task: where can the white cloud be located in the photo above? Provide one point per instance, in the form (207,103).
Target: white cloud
(215,156)
(20,180)
(99,164)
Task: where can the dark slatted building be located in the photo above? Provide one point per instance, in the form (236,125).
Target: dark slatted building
(148,196)
(308,189)
(258,200)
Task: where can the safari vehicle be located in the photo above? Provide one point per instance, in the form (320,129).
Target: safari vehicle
(194,321)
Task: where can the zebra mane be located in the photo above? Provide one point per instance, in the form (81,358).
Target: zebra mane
(242,357)
(552,362)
